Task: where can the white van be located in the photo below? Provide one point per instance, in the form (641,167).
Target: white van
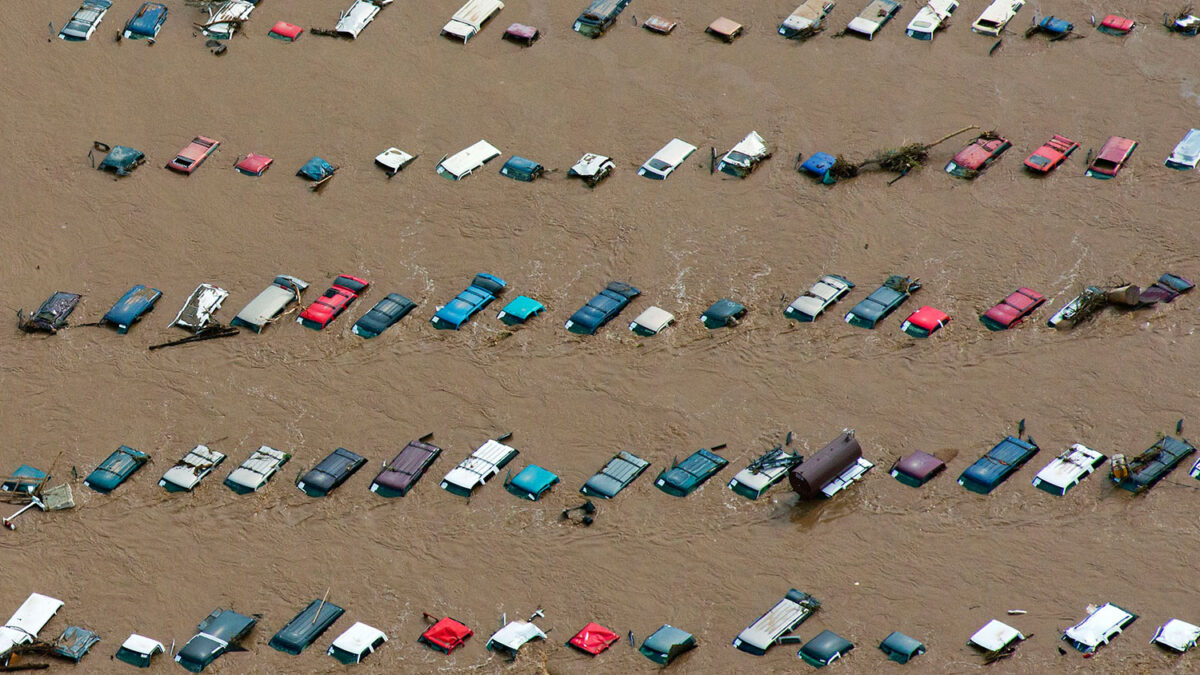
(667,159)
(806,19)
(479,468)
(362,12)
(996,17)
(873,17)
(30,618)
(469,19)
(930,19)
(462,163)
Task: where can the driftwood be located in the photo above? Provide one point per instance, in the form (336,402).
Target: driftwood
(210,333)
(897,160)
(327,32)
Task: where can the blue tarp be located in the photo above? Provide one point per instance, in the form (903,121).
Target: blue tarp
(316,169)
(819,165)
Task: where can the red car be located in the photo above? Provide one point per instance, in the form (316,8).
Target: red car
(977,156)
(1012,309)
(191,157)
(1112,157)
(1116,25)
(1047,158)
(323,310)
(925,322)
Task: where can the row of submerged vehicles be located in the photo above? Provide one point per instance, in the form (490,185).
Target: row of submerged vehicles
(739,161)
(198,313)
(224,631)
(823,475)
(224,18)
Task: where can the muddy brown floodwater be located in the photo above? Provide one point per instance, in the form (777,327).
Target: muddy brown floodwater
(936,562)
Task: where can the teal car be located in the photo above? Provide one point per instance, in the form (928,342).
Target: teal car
(666,644)
(531,483)
(120,465)
(684,477)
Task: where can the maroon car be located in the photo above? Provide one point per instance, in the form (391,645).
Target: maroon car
(190,158)
(403,472)
(977,156)
(1012,309)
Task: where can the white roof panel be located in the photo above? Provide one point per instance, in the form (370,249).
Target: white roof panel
(516,634)
(995,635)
(1178,635)
(358,638)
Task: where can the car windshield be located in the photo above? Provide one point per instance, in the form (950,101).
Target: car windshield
(659,165)
(1104,165)
(737,158)
(1039,160)
(988,23)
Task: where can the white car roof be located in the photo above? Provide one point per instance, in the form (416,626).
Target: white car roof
(481,462)
(142,645)
(996,635)
(253,472)
(1074,463)
(361,13)
(757,480)
(358,638)
(807,304)
(194,466)
(932,15)
(475,12)
(805,15)
(674,152)
(777,621)
(844,479)
(269,302)
(589,164)
(516,634)
(1099,626)
(654,318)
(29,619)
(1000,11)
(393,158)
(467,160)
(1178,635)
(752,145)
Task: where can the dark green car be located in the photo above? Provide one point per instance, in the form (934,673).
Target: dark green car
(113,471)
(667,643)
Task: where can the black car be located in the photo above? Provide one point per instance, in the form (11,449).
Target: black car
(385,313)
(306,627)
(214,636)
(331,472)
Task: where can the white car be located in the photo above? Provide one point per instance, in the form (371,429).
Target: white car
(667,159)
(223,22)
(1102,625)
(469,19)
(361,13)
(513,636)
(930,19)
(1186,154)
(996,17)
(479,468)
(270,303)
(652,321)
(819,298)
(461,164)
(191,469)
(592,168)
(139,650)
(806,19)
(258,468)
(743,158)
(994,636)
(25,623)
(1065,471)
(85,20)
(196,313)
(356,643)
(1176,635)
(393,160)
(873,17)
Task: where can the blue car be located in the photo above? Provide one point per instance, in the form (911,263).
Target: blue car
(147,22)
(113,471)
(520,310)
(997,465)
(531,483)
(130,308)
(602,308)
(483,289)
